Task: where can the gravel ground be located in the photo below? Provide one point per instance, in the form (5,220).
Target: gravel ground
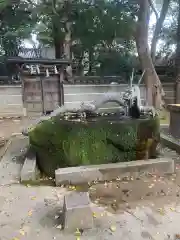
(13,126)
(147,207)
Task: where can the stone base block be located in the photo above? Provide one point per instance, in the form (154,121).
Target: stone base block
(77,211)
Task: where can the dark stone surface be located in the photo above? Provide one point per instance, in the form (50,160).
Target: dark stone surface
(169,141)
(174,127)
(174,107)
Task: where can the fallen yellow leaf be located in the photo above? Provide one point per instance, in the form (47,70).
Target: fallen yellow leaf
(21,231)
(94,215)
(30,213)
(33,198)
(113,228)
(161,211)
(77,232)
(77,238)
(15,238)
(28,185)
(172,209)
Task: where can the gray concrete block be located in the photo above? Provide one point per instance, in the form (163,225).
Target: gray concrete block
(77,211)
(106,172)
(170,142)
(135,168)
(76,175)
(29,170)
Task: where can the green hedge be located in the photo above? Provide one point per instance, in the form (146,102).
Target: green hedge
(62,143)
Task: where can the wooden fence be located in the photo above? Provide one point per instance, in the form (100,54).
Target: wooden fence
(11,97)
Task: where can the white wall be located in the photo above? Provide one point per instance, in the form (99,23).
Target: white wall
(11,96)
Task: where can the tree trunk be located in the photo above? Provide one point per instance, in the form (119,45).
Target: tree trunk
(58,43)
(90,61)
(177,61)
(67,43)
(79,69)
(67,51)
(58,48)
(154,90)
(158,28)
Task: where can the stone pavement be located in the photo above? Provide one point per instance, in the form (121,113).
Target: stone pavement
(33,212)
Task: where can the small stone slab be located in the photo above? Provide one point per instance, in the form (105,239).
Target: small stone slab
(174,129)
(77,211)
(170,142)
(173,107)
(107,172)
(29,169)
(136,168)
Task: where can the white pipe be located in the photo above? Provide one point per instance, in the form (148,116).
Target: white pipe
(37,68)
(47,72)
(55,70)
(31,69)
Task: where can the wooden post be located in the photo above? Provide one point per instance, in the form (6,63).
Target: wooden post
(177,91)
(61,87)
(174,128)
(42,94)
(20,69)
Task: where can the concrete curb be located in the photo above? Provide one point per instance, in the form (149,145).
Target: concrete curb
(171,143)
(8,142)
(29,171)
(77,207)
(107,172)
(11,117)
(164,125)
(5,148)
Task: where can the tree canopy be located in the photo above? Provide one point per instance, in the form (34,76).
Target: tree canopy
(102,32)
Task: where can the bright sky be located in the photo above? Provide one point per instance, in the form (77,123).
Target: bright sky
(29,43)
(153,22)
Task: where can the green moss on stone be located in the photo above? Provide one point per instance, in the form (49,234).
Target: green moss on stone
(61,143)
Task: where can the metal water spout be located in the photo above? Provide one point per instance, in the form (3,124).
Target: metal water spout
(136,94)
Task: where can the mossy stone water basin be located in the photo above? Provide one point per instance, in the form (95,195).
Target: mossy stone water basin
(62,143)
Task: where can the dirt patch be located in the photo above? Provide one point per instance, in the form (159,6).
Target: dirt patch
(3,150)
(115,195)
(12,126)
